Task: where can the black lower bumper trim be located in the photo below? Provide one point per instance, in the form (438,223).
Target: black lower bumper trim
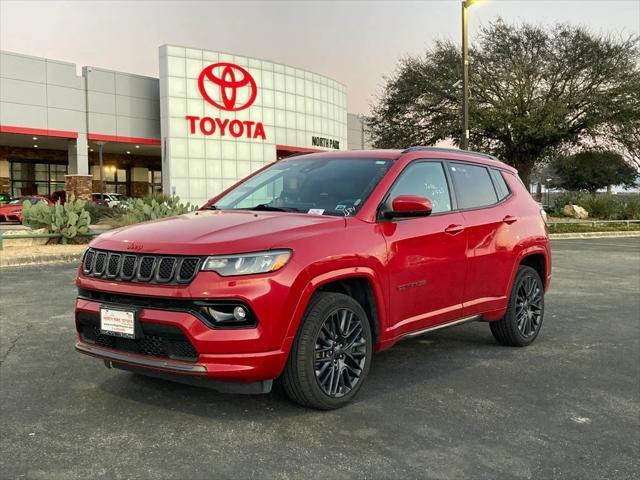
(110,355)
(254,388)
(173,371)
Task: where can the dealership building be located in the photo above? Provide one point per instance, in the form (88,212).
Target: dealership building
(209,120)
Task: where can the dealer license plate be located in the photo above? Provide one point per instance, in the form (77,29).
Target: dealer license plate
(119,323)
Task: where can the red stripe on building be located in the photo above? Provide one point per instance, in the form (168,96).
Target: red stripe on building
(42,132)
(98,137)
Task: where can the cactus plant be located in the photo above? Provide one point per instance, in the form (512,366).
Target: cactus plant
(68,220)
(152,207)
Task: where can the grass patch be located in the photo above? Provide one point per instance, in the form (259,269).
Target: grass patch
(578,227)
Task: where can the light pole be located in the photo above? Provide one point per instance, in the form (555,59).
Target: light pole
(464,144)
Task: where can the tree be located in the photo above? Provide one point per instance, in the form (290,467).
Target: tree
(592,170)
(534,92)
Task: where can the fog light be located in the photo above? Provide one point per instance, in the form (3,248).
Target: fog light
(239,314)
(227,315)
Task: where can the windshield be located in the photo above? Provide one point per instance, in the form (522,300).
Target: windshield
(323,186)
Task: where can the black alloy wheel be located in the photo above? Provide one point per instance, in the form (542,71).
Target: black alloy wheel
(529,306)
(331,354)
(523,319)
(340,353)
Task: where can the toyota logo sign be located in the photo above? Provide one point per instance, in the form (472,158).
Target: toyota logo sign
(230,80)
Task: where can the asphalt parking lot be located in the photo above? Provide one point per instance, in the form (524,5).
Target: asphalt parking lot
(452,404)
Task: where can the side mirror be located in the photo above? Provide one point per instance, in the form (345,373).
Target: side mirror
(409,206)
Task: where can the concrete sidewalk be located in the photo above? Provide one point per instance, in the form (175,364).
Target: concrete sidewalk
(42,254)
(29,253)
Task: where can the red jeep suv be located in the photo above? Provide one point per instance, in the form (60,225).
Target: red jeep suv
(305,268)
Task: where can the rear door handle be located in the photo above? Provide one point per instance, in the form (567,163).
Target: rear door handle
(509,219)
(454,229)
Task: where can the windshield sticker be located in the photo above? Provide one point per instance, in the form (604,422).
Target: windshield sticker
(340,207)
(316,211)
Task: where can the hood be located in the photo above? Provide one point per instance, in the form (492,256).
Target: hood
(217,232)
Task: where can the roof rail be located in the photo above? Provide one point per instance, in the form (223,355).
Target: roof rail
(450,150)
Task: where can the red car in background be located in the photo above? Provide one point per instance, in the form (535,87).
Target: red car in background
(12,211)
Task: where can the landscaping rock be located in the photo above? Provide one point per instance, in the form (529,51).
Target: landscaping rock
(575,211)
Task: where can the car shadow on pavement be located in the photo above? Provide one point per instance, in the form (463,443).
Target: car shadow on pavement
(410,363)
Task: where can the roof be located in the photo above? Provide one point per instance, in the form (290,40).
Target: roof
(383,154)
(425,152)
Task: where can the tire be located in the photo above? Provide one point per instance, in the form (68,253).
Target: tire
(522,321)
(313,360)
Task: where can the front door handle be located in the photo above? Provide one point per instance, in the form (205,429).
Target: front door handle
(454,229)
(509,219)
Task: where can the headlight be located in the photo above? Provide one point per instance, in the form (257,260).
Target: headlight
(247,263)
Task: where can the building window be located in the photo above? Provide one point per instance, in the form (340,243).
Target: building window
(31,178)
(116,180)
(155,181)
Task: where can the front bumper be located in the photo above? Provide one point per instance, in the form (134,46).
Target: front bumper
(227,365)
(240,355)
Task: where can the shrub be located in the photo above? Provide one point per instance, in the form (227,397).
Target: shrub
(151,207)
(631,209)
(605,207)
(97,212)
(68,220)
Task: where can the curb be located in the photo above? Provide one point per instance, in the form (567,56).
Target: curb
(576,236)
(75,257)
(40,259)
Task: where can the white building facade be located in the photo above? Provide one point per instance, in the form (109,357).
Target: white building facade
(224,116)
(210,119)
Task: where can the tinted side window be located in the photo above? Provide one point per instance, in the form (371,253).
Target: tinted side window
(474,187)
(424,179)
(500,184)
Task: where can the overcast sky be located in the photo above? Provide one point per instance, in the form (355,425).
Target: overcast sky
(354,42)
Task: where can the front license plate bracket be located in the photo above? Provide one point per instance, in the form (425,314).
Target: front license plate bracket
(120,322)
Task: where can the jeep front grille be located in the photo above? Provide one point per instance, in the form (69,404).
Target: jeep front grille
(140,267)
